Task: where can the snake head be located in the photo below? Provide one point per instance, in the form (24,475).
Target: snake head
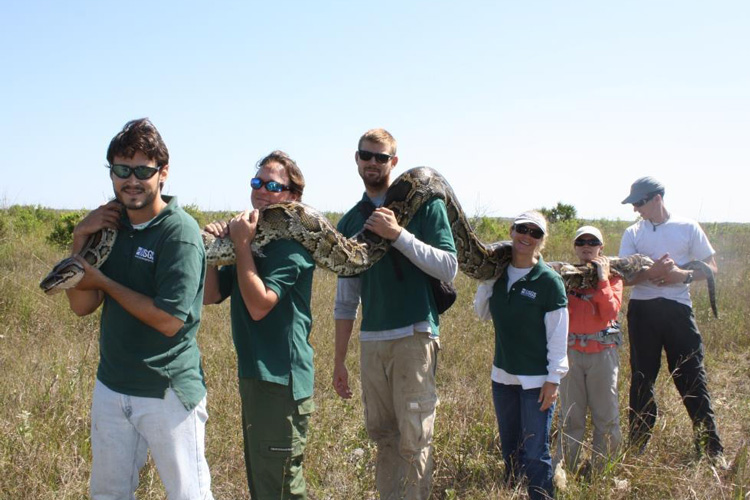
(65,275)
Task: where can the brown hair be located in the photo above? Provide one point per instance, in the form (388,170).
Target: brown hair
(296,179)
(139,135)
(379,136)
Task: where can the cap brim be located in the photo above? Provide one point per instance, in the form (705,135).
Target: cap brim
(529,221)
(631,199)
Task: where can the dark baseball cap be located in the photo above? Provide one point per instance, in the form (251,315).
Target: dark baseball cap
(642,188)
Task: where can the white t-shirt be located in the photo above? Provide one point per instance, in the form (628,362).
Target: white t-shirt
(681,238)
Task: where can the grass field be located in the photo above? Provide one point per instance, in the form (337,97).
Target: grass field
(48,360)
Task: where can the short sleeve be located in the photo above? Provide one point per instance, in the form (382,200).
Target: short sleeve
(627,244)
(557,298)
(178,277)
(436,227)
(285,261)
(701,248)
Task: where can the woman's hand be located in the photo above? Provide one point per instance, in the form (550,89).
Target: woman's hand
(547,396)
(601,264)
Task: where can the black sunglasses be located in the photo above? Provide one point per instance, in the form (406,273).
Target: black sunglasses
(142,172)
(593,242)
(534,233)
(639,204)
(271,186)
(379,157)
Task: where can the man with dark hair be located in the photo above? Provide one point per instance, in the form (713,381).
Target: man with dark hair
(660,315)
(149,392)
(399,331)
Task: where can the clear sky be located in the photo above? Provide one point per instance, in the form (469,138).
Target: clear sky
(519,104)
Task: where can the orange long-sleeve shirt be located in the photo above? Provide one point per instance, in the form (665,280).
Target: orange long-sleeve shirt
(594,312)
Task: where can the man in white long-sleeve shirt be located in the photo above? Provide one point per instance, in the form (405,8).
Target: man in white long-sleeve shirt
(399,330)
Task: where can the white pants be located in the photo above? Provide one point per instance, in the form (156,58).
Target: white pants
(124,428)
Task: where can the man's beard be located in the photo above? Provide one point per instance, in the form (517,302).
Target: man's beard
(123,198)
(376,184)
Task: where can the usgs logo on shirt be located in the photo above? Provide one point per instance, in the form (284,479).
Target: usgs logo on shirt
(144,254)
(528,293)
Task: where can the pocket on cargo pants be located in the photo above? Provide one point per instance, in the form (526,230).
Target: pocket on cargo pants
(417,422)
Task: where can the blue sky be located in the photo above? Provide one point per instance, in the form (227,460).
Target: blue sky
(518,104)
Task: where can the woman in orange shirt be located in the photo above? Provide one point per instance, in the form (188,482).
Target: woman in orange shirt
(593,357)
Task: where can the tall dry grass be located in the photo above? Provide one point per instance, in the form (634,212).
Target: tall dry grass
(48,361)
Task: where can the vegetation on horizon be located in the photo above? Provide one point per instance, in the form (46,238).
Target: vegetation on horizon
(48,358)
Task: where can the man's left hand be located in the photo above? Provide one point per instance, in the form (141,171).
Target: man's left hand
(383,223)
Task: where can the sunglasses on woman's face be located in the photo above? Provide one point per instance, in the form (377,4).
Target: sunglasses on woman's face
(592,242)
(142,172)
(271,186)
(381,158)
(534,233)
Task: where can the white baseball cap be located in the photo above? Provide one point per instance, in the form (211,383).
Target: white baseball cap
(588,230)
(532,217)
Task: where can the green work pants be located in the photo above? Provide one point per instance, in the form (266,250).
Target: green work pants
(275,433)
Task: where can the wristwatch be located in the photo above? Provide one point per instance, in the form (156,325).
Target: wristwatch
(689,278)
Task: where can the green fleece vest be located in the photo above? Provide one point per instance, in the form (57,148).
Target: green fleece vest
(518,316)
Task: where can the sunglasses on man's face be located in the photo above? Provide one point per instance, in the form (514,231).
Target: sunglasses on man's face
(639,204)
(593,242)
(534,233)
(271,186)
(381,158)
(142,172)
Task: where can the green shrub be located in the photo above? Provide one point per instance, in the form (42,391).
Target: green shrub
(27,219)
(561,212)
(62,232)
(195,213)
(490,229)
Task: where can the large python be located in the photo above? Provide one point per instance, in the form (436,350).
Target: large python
(352,256)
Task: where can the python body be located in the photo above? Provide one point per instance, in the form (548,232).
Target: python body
(352,256)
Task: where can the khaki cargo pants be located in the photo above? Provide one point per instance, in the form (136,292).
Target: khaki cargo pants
(399,396)
(590,384)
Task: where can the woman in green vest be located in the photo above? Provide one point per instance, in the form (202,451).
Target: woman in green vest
(527,305)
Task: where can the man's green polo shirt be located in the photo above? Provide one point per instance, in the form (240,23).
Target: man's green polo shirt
(164,261)
(390,301)
(276,348)
(518,316)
